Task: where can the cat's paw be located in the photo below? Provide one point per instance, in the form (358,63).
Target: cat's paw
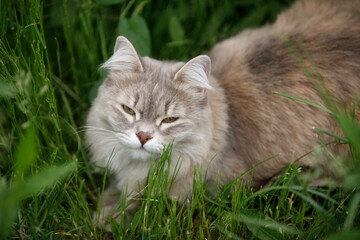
(102,219)
(122,217)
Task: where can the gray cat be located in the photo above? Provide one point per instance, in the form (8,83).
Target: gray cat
(220,110)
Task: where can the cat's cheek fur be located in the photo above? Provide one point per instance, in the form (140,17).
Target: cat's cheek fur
(151,150)
(140,154)
(195,150)
(154,146)
(128,140)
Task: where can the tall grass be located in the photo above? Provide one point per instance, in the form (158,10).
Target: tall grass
(49,55)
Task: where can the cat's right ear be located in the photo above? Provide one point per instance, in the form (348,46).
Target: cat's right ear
(195,73)
(125,57)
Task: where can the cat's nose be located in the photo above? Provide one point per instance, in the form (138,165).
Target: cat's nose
(143,137)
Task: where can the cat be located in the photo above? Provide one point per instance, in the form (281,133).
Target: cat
(219,110)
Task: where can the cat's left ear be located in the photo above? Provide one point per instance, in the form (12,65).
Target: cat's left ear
(195,73)
(125,57)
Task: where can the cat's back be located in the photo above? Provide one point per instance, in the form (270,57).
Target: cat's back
(315,16)
(322,35)
(322,23)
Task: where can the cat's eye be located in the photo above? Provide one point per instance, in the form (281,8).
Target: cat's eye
(128,110)
(169,119)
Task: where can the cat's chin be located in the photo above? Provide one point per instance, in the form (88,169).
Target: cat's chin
(142,154)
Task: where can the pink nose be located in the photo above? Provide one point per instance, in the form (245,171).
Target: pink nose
(143,137)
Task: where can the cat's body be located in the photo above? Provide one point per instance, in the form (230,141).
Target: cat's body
(227,119)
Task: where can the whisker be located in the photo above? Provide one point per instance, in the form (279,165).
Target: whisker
(97,128)
(141,191)
(108,141)
(94,131)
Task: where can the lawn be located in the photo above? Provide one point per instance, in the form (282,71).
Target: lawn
(50,52)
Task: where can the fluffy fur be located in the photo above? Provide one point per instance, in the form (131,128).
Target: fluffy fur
(227,118)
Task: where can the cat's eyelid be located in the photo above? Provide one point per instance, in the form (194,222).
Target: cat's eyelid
(129,110)
(160,120)
(168,120)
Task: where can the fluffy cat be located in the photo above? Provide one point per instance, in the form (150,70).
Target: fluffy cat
(220,110)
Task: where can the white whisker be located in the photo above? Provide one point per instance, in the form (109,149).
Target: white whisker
(92,128)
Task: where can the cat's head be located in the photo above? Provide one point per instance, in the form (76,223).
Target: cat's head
(147,104)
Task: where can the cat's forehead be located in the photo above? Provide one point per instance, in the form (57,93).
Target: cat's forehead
(152,92)
(161,67)
(156,74)
(156,82)
(154,99)
(156,91)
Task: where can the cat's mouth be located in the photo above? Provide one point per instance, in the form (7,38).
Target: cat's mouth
(148,150)
(142,149)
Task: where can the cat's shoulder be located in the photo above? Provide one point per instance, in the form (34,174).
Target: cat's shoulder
(318,15)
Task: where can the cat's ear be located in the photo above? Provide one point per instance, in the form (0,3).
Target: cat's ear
(194,74)
(125,57)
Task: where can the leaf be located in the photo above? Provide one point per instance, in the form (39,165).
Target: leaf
(7,89)
(109,2)
(26,151)
(135,29)
(262,227)
(135,221)
(304,101)
(94,90)
(344,140)
(254,17)
(352,179)
(352,212)
(8,210)
(351,235)
(351,130)
(114,228)
(311,201)
(175,29)
(10,198)
(37,183)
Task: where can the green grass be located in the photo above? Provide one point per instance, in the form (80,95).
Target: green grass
(49,55)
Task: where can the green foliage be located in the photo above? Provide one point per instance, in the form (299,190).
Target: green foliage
(136,30)
(49,55)
(109,2)
(20,188)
